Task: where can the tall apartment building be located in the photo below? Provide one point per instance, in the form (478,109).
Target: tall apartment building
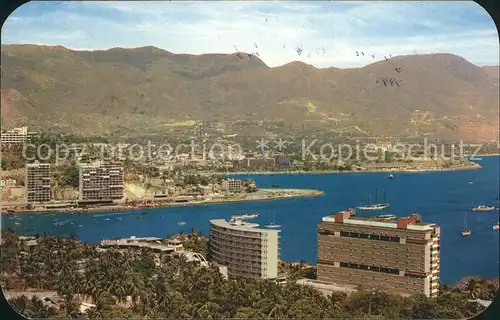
(38,182)
(99,181)
(16,135)
(244,248)
(401,256)
(282,161)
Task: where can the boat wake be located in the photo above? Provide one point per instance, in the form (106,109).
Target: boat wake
(112,214)
(62,222)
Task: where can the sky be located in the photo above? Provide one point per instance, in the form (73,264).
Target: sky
(323,34)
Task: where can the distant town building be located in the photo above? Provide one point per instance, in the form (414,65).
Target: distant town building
(7,183)
(232,185)
(16,135)
(282,161)
(254,163)
(244,248)
(99,181)
(401,256)
(260,163)
(38,182)
(206,190)
(385,165)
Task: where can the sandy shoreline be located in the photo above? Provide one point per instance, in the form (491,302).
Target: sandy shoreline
(242,173)
(261,195)
(488,155)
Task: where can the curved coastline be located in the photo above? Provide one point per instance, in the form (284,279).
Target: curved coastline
(301,172)
(261,195)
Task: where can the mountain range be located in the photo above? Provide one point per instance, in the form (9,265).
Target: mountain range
(147,90)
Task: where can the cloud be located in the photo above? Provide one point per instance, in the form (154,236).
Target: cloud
(329,33)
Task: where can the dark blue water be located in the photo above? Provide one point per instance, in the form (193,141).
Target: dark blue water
(440,197)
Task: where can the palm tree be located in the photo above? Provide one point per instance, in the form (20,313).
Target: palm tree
(336,300)
(473,288)
(180,289)
(19,303)
(277,312)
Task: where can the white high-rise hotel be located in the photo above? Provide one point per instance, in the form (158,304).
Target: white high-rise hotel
(99,181)
(244,248)
(16,135)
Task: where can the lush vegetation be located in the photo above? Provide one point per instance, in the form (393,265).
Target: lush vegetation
(33,308)
(195,242)
(138,283)
(194,180)
(12,157)
(69,176)
(46,148)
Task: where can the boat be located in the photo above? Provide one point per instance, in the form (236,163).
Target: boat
(351,211)
(496,226)
(181,223)
(391,176)
(62,222)
(386,216)
(483,208)
(376,206)
(466,232)
(245,216)
(272,225)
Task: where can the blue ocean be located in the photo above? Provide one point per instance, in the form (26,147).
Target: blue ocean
(446,198)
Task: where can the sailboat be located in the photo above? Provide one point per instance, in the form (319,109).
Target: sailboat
(483,208)
(271,224)
(466,231)
(376,206)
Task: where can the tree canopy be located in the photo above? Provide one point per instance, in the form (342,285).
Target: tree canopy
(138,283)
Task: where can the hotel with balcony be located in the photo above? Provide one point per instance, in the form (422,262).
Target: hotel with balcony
(38,182)
(99,181)
(232,185)
(400,256)
(16,135)
(244,248)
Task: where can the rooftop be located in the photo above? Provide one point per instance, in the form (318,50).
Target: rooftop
(412,222)
(37,164)
(240,224)
(174,241)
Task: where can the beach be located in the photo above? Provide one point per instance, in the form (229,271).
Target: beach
(394,170)
(260,195)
